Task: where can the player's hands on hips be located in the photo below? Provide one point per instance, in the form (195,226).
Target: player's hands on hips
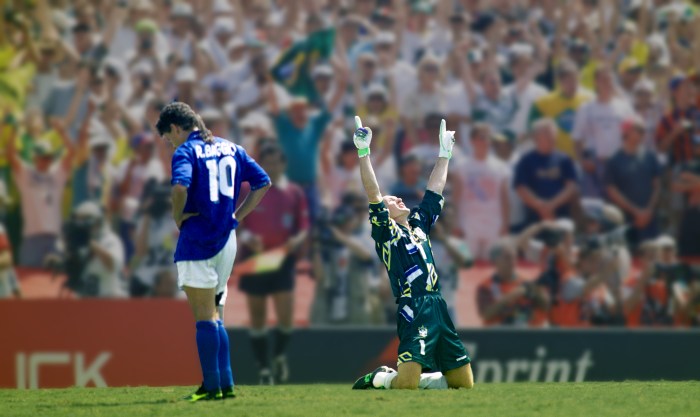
(447,141)
(184,217)
(362,137)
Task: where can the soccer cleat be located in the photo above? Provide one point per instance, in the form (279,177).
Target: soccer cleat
(365,382)
(280,369)
(203,395)
(228,393)
(266,377)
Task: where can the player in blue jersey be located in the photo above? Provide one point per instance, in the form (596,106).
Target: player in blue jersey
(207,172)
(427,336)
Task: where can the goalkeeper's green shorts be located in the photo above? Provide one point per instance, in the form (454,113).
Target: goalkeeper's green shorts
(427,335)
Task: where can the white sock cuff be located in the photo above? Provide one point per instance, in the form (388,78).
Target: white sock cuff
(435,380)
(389,377)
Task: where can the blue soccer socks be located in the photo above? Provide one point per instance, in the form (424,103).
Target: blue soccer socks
(208,348)
(225,374)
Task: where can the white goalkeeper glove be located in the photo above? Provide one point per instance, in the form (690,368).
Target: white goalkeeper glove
(362,138)
(447,141)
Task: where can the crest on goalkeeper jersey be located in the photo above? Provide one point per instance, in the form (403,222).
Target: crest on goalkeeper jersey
(422,332)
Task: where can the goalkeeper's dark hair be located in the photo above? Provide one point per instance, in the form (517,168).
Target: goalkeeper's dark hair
(180,114)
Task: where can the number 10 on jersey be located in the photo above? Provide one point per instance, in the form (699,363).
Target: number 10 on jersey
(221,177)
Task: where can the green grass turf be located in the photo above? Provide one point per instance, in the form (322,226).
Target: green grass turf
(520,399)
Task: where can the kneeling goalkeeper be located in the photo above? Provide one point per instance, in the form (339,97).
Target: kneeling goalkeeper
(427,337)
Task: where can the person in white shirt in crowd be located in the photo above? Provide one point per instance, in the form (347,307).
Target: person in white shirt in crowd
(126,38)
(390,65)
(237,68)
(425,32)
(597,131)
(179,31)
(482,194)
(330,84)
(42,183)
(255,128)
(216,44)
(102,271)
(149,48)
(650,109)
(490,102)
(144,84)
(427,98)
(186,87)
(524,88)
(250,95)
(340,174)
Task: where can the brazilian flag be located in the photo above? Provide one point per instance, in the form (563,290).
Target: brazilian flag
(293,68)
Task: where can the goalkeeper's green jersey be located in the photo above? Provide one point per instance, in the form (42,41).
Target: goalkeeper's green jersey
(406,252)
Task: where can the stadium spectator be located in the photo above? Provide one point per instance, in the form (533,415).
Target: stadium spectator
(490,103)
(650,109)
(93,172)
(630,73)
(524,88)
(674,134)
(398,70)
(545,178)
(279,223)
(561,105)
(379,109)
(506,298)
(300,135)
(94,255)
(46,176)
(131,179)
(427,98)
(155,239)
(655,296)
(575,286)
(340,175)
(9,285)
(483,182)
(451,253)
(346,269)
(409,186)
(597,132)
(687,185)
(633,181)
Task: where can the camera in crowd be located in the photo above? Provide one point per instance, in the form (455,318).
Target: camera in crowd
(327,219)
(551,237)
(606,228)
(615,238)
(78,232)
(673,272)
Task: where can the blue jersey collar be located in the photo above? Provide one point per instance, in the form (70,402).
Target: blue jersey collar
(195,135)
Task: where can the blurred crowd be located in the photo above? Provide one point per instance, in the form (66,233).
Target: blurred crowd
(578,137)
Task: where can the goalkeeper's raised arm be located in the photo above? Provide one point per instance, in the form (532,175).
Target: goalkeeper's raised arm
(438,177)
(362,139)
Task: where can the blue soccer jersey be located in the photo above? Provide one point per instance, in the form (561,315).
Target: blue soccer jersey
(212,173)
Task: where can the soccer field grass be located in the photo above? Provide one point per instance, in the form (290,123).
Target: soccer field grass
(519,399)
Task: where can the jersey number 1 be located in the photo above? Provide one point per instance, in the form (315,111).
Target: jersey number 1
(221,177)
